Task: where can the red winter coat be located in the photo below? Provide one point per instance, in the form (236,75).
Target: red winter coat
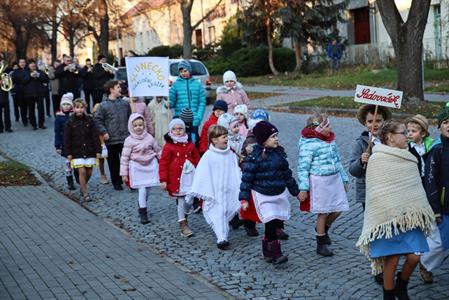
(172,161)
(204,141)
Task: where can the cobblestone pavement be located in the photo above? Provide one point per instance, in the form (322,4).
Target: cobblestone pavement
(51,248)
(239,271)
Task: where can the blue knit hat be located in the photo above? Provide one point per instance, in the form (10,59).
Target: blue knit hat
(260,114)
(184,64)
(221,104)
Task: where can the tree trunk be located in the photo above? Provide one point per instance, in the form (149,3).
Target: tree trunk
(21,43)
(409,66)
(407,39)
(186,9)
(104,36)
(297,48)
(71,41)
(270,49)
(54,41)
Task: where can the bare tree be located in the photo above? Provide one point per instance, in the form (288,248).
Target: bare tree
(188,28)
(407,39)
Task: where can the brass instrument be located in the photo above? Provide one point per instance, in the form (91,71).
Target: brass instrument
(5,78)
(109,68)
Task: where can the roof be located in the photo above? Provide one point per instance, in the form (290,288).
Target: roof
(143,5)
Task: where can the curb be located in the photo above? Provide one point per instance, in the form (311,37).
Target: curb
(337,112)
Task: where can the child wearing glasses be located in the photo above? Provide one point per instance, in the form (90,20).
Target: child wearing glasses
(177,168)
(321,177)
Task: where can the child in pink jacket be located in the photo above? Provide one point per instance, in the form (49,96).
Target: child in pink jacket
(232,92)
(139,161)
(138,106)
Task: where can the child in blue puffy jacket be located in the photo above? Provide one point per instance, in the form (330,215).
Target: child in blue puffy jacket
(321,177)
(267,178)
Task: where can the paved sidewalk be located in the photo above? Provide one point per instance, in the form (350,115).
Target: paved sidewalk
(51,248)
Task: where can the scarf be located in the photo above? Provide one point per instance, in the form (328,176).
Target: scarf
(310,133)
(395,199)
(179,139)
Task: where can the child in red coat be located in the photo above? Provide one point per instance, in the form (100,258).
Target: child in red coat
(220,107)
(177,168)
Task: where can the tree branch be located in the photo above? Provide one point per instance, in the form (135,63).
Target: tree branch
(391,17)
(206,15)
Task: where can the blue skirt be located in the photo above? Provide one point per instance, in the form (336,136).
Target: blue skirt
(405,242)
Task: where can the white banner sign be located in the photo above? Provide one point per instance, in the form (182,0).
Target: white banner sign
(147,76)
(378,96)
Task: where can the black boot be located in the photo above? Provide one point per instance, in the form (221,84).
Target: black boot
(327,239)
(70,183)
(143,216)
(321,247)
(389,295)
(400,289)
(276,253)
(77,175)
(250,228)
(236,222)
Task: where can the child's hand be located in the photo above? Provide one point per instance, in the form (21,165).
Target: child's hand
(105,136)
(125,178)
(244,204)
(364,158)
(98,155)
(302,196)
(59,151)
(69,157)
(163,186)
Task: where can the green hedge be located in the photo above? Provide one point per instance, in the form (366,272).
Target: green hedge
(174,51)
(252,62)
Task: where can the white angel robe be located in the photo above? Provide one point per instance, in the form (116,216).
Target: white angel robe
(217,181)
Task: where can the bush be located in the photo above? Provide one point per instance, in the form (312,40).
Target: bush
(208,52)
(284,59)
(253,62)
(217,65)
(170,51)
(250,61)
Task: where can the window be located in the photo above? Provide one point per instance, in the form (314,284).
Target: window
(212,34)
(199,38)
(360,17)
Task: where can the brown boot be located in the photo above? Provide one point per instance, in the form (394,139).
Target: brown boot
(426,276)
(185,230)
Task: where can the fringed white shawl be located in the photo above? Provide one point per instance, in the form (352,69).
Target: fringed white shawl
(217,181)
(395,199)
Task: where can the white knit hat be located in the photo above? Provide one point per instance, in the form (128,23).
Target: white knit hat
(229,75)
(241,109)
(175,122)
(67,98)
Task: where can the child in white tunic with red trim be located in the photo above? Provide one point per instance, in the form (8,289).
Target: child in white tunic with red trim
(138,163)
(217,182)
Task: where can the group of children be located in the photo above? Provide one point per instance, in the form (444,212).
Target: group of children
(239,172)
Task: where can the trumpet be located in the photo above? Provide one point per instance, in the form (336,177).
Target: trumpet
(6,80)
(73,68)
(109,68)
